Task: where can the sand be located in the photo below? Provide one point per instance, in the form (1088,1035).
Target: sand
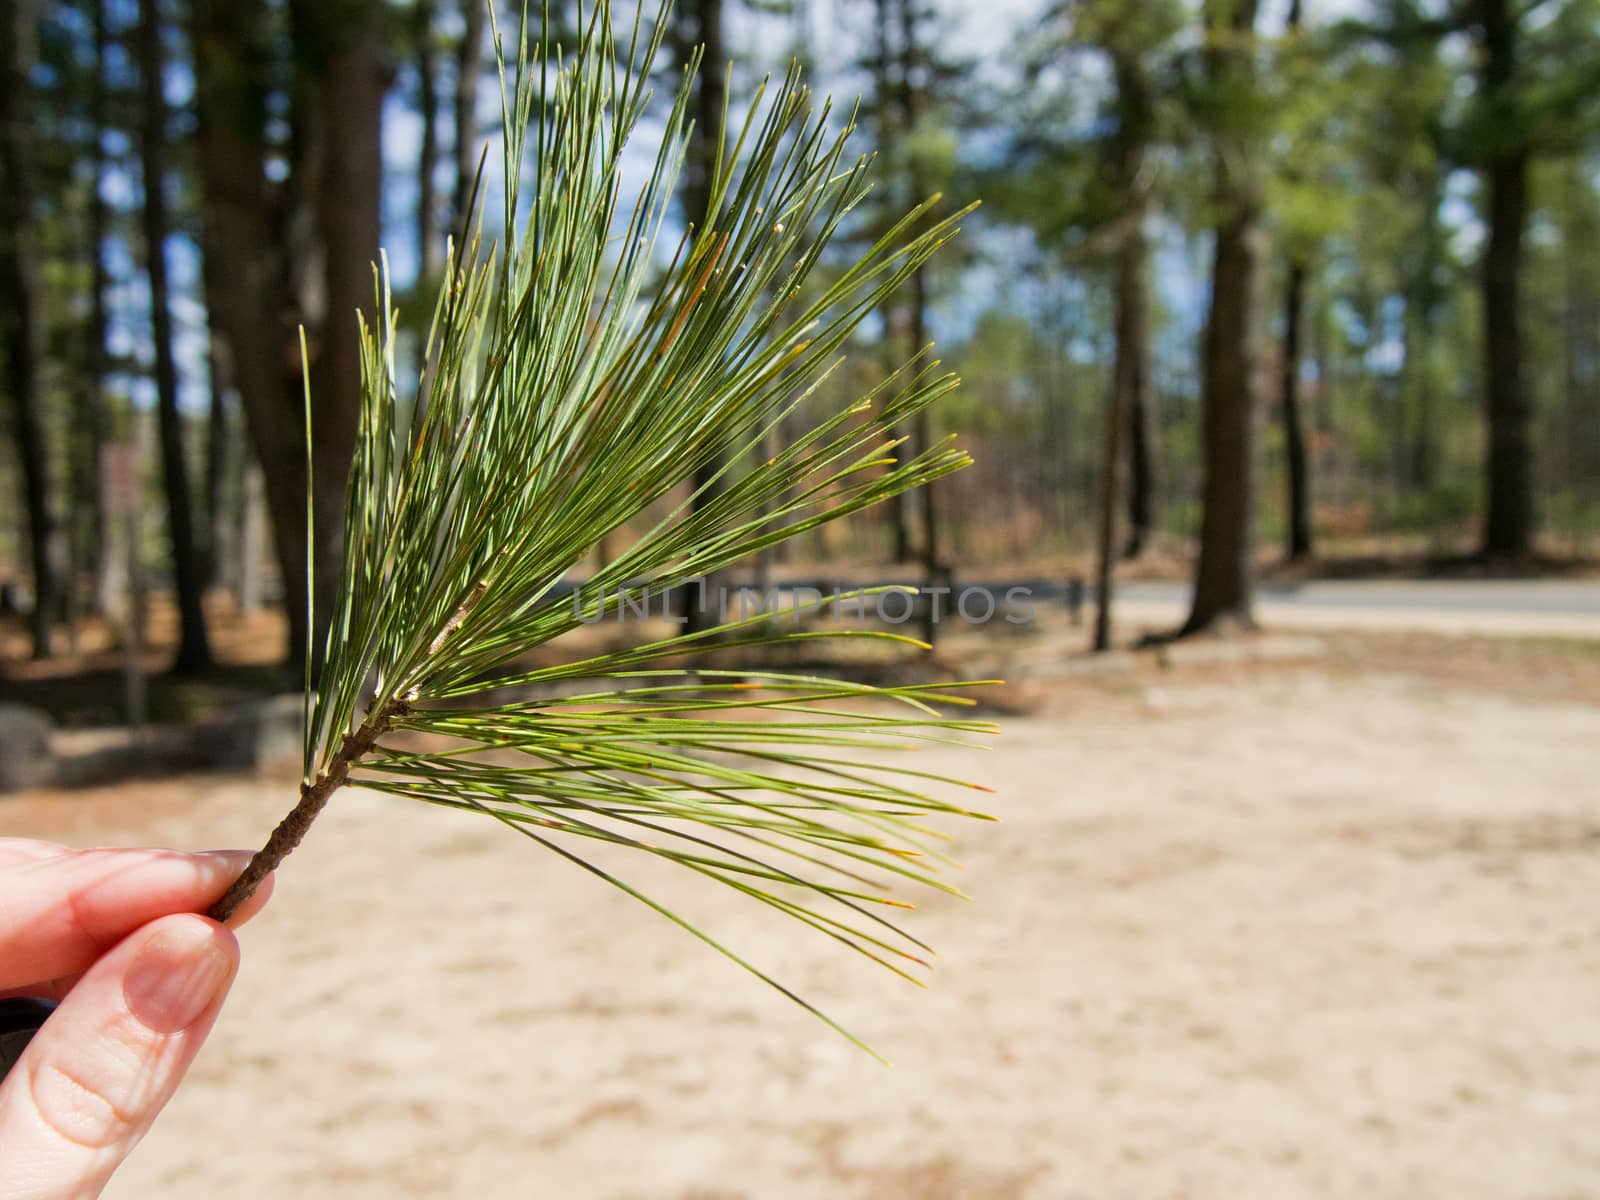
(1310,934)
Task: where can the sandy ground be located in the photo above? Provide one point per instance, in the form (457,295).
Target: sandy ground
(1314,933)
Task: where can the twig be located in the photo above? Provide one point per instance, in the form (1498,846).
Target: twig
(313,797)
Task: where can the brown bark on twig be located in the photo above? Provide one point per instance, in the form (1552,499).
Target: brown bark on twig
(313,798)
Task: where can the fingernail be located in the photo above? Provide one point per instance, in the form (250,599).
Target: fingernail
(179,972)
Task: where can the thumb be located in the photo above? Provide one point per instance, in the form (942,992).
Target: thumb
(106,1062)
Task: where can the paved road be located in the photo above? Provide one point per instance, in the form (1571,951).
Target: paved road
(1514,608)
(1557,608)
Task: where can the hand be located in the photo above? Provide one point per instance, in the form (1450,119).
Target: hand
(113,935)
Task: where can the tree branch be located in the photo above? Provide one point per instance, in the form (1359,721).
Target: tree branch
(313,798)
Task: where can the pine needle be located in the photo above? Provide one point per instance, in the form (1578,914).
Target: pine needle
(571,388)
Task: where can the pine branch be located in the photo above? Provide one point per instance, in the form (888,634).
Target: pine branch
(574,383)
(313,797)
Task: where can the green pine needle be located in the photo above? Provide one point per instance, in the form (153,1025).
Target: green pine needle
(570,388)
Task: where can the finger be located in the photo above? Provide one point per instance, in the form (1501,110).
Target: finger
(94,1077)
(57,989)
(59,914)
(25,849)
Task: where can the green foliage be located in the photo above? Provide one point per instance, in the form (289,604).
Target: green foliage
(1061,179)
(1439,510)
(1550,103)
(563,402)
(1324,107)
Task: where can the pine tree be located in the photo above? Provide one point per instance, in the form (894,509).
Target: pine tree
(424,14)
(1295,453)
(22,315)
(258,220)
(194,650)
(469,70)
(1231,372)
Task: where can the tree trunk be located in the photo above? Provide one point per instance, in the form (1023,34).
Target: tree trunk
(1298,465)
(430,251)
(1144,436)
(934,572)
(1509,527)
(889,133)
(1509,524)
(220,466)
(246,219)
(346,84)
(194,651)
(702,25)
(1136,124)
(1225,577)
(1422,314)
(1231,366)
(22,313)
(89,531)
(913,101)
(1294,438)
(917,338)
(1129,374)
(469,66)
(335,171)
(217,467)
(1128,436)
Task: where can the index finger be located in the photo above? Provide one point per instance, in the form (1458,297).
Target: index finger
(59,913)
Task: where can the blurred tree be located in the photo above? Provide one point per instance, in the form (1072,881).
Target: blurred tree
(1363,195)
(1137,41)
(294,214)
(22,313)
(223,462)
(913,110)
(931,104)
(194,650)
(917,80)
(82,106)
(699,23)
(469,69)
(1433,124)
(1104,185)
(1325,104)
(887,110)
(1298,470)
(1385,135)
(1231,364)
(1134,41)
(1405,152)
(90,534)
(341,78)
(1509,520)
(1538,93)
(430,246)
(1577,425)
